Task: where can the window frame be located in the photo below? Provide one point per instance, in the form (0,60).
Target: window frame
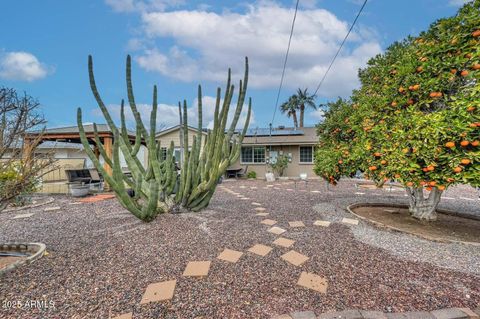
(300,156)
(253,162)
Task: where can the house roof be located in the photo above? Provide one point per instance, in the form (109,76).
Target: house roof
(176,127)
(281,136)
(101,128)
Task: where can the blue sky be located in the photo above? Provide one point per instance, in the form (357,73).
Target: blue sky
(178,44)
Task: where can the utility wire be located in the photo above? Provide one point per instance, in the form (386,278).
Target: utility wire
(340,48)
(284,65)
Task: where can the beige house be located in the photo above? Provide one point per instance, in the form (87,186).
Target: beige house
(261,147)
(168,135)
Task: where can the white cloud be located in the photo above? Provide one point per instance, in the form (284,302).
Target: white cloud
(206,43)
(167,115)
(145,5)
(21,66)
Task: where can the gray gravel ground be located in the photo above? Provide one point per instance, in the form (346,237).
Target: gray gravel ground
(101,258)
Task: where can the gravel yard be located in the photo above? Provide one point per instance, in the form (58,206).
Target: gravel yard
(101,259)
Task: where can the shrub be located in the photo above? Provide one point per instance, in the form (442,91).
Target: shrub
(252,174)
(280,165)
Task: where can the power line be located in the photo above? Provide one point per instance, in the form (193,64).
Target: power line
(285,64)
(340,48)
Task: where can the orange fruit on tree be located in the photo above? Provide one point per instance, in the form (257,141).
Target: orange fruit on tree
(450,144)
(383,162)
(372,168)
(394,103)
(428,188)
(409,184)
(405,150)
(472,124)
(464,73)
(401,89)
(457,169)
(475,143)
(476,33)
(430,168)
(397,175)
(471,108)
(420,69)
(441,187)
(468,55)
(377,154)
(432,183)
(476,66)
(416,87)
(423,59)
(453,71)
(464,143)
(465,161)
(425,169)
(450,180)
(340,162)
(410,102)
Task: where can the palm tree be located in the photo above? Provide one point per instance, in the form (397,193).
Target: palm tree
(304,99)
(290,108)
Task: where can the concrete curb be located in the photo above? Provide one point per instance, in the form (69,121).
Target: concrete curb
(350,209)
(37,248)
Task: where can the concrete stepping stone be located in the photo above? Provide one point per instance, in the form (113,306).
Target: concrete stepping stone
(230,255)
(290,189)
(242,186)
(322,223)
(276,230)
(260,249)
(296,224)
(350,221)
(282,317)
(315,191)
(51,209)
(295,258)
(244,198)
(312,281)
(256,204)
(159,291)
(449,313)
(283,242)
(359,193)
(262,214)
(303,315)
(260,209)
(21,216)
(197,269)
(269,222)
(125,316)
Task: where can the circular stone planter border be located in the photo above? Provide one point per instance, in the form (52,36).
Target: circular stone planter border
(16,209)
(350,209)
(37,250)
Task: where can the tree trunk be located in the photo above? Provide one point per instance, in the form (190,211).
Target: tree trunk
(302,114)
(424,208)
(295,121)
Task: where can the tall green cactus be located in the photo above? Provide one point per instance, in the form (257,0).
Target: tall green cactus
(154,183)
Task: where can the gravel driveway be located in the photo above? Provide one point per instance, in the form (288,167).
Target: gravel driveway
(101,258)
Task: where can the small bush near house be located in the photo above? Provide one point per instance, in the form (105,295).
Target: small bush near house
(280,165)
(252,174)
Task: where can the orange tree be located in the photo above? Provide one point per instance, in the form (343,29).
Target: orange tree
(415,118)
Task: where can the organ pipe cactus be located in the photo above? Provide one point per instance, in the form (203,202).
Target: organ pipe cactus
(154,184)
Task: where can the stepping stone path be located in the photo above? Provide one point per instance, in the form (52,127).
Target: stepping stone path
(350,221)
(261,214)
(322,223)
(260,249)
(269,222)
(312,281)
(260,209)
(315,192)
(159,291)
(294,258)
(51,209)
(245,198)
(283,242)
(21,216)
(125,316)
(197,269)
(296,224)
(256,204)
(276,230)
(230,255)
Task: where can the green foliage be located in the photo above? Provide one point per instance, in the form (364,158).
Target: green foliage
(252,174)
(15,184)
(298,102)
(415,118)
(154,184)
(280,165)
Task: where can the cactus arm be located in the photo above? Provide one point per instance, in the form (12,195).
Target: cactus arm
(131,99)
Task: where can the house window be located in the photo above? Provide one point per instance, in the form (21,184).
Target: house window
(164,153)
(306,154)
(252,154)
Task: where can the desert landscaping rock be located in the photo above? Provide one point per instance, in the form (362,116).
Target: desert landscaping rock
(322,223)
(284,242)
(125,316)
(262,214)
(159,291)
(256,204)
(197,269)
(295,258)
(312,281)
(276,230)
(269,222)
(261,250)
(105,272)
(51,209)
(260,209)
(230,255)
